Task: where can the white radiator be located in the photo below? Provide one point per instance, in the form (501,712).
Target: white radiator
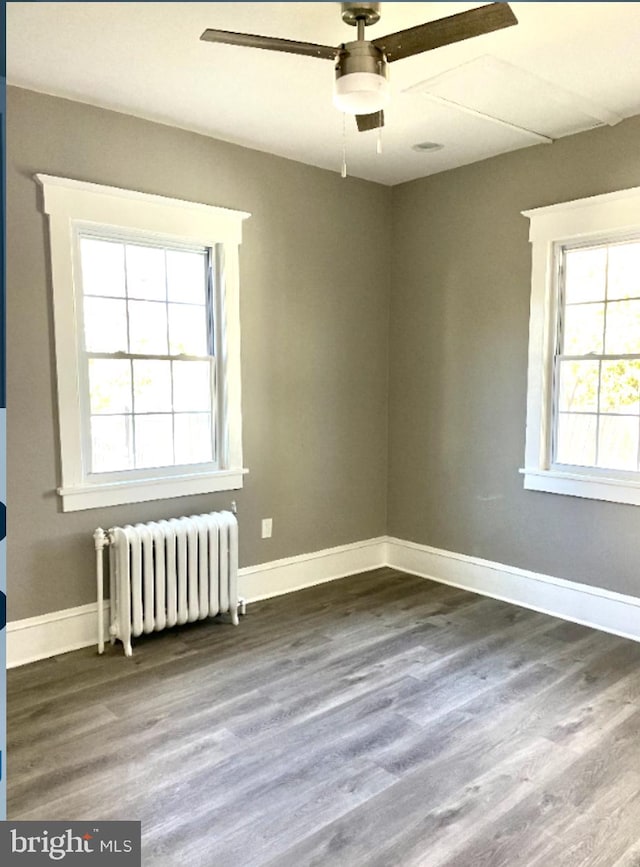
(167,573)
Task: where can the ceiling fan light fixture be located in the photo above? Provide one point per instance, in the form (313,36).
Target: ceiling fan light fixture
(362,88)
(361,92)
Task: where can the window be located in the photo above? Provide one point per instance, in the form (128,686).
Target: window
(597,359)
(583,408)
(147,344)
(148,357)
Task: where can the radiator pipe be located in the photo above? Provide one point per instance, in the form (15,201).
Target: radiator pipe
(242,602)
(100,539)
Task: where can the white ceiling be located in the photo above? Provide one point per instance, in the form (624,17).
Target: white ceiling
(563,68)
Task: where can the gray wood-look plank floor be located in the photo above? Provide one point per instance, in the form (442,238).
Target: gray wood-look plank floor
(379,720)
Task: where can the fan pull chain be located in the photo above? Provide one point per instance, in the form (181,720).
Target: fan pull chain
(379,141)
(343,172)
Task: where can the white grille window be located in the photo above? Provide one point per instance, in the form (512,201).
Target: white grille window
(147,344)
(583,408)
(597,370)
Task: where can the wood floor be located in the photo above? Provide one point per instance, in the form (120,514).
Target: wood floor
(377,721)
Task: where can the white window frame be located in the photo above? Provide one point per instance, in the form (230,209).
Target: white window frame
(609,217)
(72,205)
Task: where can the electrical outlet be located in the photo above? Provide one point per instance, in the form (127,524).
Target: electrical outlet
(267,528)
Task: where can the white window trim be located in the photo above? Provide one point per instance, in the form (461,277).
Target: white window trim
(609,215)
(68,203)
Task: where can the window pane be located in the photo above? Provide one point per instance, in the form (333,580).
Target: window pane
(585,273)
(579,386)
(191,386)
(194,440)
(187,329)
(102,267)
(111,443)
(152,386)
(576,439)
(148,327)
(624,271)
(618,443)
(105,325)
(583,329)
(146,273)
(623,328)
(109,385)
(620,387)
(154,440)
(186,277)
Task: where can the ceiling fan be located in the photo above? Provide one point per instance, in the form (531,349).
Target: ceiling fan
(362,84)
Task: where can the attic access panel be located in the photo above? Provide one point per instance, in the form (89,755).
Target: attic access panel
(506,93)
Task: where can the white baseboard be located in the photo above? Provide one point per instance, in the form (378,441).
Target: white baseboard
(72,628)
(305,570)
(62,631)
(579,603)
(53,633)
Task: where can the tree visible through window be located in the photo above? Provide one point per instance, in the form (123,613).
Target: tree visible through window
(597,366)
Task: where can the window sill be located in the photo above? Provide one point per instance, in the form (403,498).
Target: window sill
(578,485)
(94,496)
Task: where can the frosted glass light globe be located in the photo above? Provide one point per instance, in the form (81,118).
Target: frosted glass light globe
(361,93)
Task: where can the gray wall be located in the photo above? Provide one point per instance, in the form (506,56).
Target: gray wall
(458,363)
(324,360)
(314,316)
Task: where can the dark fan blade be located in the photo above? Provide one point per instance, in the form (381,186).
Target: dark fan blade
(444,31)
(270,43)
(370,121)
